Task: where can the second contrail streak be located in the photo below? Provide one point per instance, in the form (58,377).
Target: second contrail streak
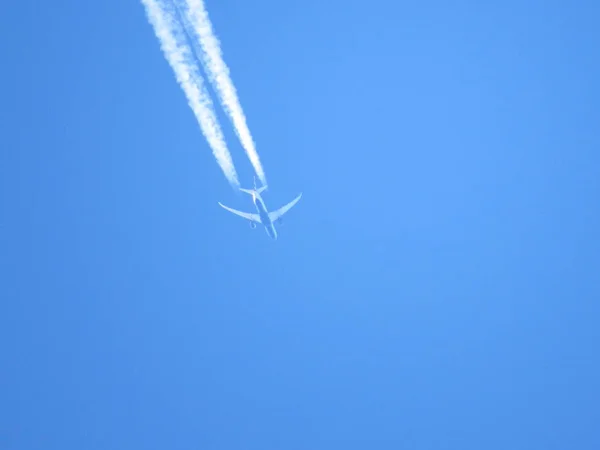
(218,74)
(178,54)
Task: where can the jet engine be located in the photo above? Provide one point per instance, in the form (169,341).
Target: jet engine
(252,225)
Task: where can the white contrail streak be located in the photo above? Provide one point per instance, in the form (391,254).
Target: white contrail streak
(179,55)
(218,74)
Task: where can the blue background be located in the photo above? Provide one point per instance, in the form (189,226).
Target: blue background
(436,287)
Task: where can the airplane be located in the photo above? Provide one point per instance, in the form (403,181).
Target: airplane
(268,219)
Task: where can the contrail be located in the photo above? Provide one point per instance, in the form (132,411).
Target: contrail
(218,74)
(179,55)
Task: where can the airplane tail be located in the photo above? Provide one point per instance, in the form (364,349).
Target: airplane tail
(252,191)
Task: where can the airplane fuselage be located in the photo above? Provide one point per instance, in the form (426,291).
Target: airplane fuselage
(264,215)
(268,220)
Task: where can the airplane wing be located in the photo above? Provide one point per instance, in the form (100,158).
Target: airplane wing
(281,211)
(248,216)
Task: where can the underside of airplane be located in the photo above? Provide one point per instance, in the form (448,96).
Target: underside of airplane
(267,219)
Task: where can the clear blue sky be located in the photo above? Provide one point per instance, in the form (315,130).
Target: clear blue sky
(437,287)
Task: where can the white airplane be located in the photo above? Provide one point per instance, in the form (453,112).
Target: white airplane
(268,219)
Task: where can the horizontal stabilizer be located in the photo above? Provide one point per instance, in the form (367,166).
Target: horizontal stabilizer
(252,191)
